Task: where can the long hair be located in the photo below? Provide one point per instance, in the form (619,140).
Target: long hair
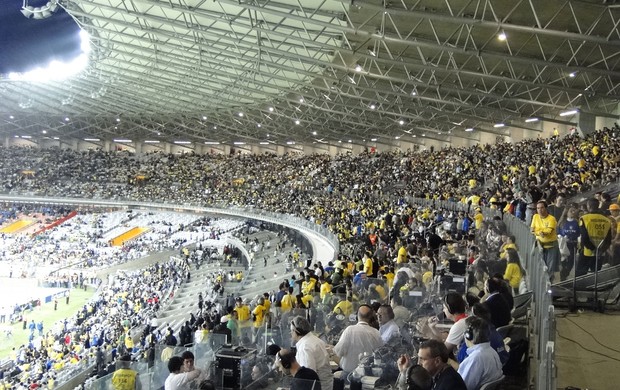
(513,257)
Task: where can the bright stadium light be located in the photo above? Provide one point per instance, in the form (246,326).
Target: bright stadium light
(57,70)
(568,113)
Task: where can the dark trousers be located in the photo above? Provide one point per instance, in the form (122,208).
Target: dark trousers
(587,264)
(568,264)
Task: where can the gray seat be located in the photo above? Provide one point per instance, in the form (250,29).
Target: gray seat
(493,385)
(504,330)
(521,305)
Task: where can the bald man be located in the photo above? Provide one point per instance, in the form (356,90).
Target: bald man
(357,339)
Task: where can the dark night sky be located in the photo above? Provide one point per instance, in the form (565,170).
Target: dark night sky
(28,43)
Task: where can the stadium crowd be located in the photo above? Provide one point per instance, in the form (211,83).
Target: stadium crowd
(395,247)
(100,329)
(83,243)
(313,185)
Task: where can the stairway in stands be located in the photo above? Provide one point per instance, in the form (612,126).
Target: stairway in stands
(185,300)
(258,280)
(261,279)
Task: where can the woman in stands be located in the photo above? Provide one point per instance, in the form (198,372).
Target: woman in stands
(514,271)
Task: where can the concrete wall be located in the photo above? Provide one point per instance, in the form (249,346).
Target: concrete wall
(548,128)
(607,122)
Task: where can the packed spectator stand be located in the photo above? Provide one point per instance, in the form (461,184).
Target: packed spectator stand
(363,200)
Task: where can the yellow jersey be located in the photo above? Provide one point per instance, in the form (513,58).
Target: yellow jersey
(545,230)
(598,228)
(124,379)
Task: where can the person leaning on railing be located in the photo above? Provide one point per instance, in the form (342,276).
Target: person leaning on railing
(544,227)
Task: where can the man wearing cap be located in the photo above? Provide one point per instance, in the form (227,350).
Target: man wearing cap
(311,351)
(124,378)
(595,239)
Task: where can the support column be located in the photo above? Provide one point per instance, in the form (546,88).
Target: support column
(587,123)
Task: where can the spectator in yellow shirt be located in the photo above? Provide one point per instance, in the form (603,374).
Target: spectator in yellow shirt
(344,307)
(368,265)
(478,218)
(307,286)
(326,289)
(509,243)
(402,255)
(514,272)
(288,301)
(243,311)
(258,317)
(544,227)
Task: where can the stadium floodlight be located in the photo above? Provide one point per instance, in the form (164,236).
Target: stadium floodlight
(52,5)
(27,10)
(39,12)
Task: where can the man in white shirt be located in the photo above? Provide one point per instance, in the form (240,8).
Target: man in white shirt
(357,339)
(179,380)
(454,308)
(388,328)
(311,351)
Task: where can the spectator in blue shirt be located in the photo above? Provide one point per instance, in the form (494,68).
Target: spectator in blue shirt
(569,228)
(495,339)
(482,364)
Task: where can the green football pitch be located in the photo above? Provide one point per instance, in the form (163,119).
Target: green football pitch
(45,313)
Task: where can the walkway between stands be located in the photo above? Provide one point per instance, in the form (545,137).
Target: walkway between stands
(588,350)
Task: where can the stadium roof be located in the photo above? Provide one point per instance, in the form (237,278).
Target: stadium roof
(325,70)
